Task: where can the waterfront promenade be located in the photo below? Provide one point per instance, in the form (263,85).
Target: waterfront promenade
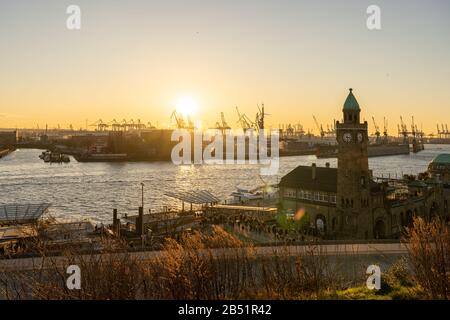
(383,253)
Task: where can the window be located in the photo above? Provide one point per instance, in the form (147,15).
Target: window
(301,194)
(333,198)
(308,195)
(289,193)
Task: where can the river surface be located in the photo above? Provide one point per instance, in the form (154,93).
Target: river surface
(91,190)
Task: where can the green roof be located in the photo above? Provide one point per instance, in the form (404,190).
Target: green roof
(350,102)
(418,184)
(443,158)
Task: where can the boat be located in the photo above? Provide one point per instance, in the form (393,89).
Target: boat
(43,154)
(241,196)
(387,149)
(50,157)
(4,152)
(102,157)
(373,150)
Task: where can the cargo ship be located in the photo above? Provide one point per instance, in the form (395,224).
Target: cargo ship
(49,156)
(4,152)
(102,157)
(373,150)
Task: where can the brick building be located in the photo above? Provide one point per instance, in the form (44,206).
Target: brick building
(347,202)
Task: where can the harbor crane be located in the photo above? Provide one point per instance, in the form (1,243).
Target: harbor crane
(260,116)
(413,128)
(124,125)
(140,125)
(443,132)
(403,130)
(178,119)
(224,123)
(244,121)
(319,127)
(385,130)
(332,128)
(181,123)
(291,129)
(115,126)
(377,130)
(299,129)
(223,126)
(101,126)
(190,123)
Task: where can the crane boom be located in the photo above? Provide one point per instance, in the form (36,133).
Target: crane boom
(319,127)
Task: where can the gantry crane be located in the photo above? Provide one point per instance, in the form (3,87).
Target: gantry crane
(223,126)
(260,116)
(403,130)
(385,130)
(319,127)
(377,131)
(244,121)
(178,119)
(101,126)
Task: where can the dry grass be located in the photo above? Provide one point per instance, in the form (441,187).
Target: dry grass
(217,265)
(429,256)
(199,266)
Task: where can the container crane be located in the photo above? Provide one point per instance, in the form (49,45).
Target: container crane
(178,119)
(319,127)
(260,116)
(403,131)
(377,130)
(101,126)
(244,121)
(385,130)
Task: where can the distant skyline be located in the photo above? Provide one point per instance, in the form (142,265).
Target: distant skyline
(137,59)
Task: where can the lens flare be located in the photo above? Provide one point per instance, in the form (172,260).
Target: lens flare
(299,214)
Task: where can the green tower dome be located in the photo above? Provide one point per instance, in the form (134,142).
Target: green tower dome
(350,102)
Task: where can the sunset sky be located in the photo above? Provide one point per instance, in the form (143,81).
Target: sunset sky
(135,59)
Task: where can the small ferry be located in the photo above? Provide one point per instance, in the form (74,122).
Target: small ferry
(264,192)
(50,157)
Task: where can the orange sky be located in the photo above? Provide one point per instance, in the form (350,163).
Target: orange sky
(134,60)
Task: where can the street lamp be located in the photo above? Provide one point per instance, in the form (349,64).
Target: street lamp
(142,195)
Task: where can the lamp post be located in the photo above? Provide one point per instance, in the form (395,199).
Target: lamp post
(142,195)
(142,214)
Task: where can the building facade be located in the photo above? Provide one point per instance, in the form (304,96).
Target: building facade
(347,202)
(8,138)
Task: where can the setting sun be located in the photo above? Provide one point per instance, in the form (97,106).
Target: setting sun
(187,106)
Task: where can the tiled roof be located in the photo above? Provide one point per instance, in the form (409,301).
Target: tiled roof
(350,102)
(443,158)
(301,177)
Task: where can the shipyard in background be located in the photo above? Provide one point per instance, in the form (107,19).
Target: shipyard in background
(310,204)
(133,140)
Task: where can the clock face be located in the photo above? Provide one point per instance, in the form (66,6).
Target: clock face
(360,137)
(347,137)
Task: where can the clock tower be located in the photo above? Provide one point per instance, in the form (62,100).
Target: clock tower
(353,175)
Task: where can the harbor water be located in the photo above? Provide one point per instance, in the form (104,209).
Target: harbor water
(91,190)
